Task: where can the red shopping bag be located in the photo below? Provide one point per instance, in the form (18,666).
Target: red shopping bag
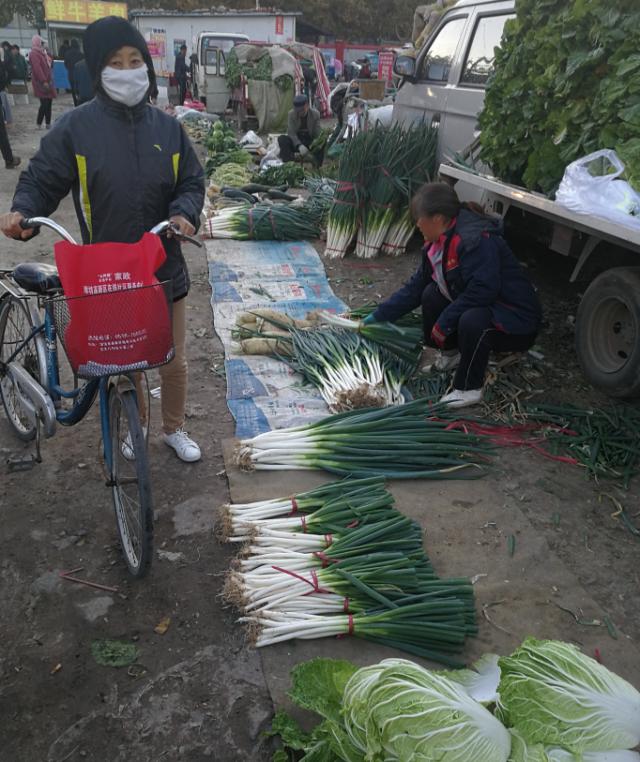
(117,315)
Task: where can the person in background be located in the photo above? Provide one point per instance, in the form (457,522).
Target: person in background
(337,69)
(20,68)
(6,62)
(82,83)
(303,127)
(475,295)
(128,166)
(71,58)
(10,161)
(193,73)
(180,72)
(310,81)
(42,80)
(62,52)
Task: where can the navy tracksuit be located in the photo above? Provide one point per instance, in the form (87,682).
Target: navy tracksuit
(491,303)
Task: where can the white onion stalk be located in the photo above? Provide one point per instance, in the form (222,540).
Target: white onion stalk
(398,235)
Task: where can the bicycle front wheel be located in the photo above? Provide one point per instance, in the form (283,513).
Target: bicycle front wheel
(15,327)
(130,483)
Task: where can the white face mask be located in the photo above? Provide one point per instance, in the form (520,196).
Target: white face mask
(128,86)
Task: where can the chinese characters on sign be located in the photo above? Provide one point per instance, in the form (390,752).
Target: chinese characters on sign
(279,24)
(385,66)
(81,11)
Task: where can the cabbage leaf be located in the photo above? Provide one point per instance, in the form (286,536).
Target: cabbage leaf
(405,712)
(557,696)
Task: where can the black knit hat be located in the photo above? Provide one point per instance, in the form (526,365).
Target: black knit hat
(104,36)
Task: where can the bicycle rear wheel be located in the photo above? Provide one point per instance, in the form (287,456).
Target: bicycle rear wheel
(15,327)
(130,483)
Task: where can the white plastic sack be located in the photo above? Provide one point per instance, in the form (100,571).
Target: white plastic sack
(591,186)
(183,113)
(380,115)
(251,139)
(272,157)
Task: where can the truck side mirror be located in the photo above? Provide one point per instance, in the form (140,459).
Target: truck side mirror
(405,66)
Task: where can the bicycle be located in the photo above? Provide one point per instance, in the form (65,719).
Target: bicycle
(34,314)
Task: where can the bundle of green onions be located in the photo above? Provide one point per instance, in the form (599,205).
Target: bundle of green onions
(325,509)
(411,441)
(351,565)
(349,371)
(264,222)
(379,172)
(404,341)
(399,233)
(431,629)
(349,198)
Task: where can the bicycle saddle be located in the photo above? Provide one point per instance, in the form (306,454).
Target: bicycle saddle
(38,277)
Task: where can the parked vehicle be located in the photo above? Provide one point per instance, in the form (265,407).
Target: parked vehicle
(444,84)
(210,81)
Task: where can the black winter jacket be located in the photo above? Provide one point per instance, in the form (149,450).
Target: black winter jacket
(480,271)
(127,168)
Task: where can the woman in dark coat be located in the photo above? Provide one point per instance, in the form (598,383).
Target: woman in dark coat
(128,166)
(475,295)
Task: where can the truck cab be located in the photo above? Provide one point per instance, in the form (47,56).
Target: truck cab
(444,83)
(210,80)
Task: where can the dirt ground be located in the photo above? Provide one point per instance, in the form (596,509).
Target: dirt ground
(196,692)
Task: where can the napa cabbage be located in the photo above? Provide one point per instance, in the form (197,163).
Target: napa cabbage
(402,711)
(555,695)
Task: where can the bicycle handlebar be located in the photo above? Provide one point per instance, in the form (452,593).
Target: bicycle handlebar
(37,222)
(160,229)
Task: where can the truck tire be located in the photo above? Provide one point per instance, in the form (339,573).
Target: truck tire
(608,332)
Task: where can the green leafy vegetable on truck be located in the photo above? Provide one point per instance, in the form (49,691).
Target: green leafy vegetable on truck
(566,83)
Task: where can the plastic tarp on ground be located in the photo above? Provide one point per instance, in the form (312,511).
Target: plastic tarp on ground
(263,393)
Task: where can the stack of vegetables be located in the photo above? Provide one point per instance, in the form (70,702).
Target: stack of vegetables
(401,339)
(264,222)
(223,148)
(547,702)
(565,85)
(412,441)
(289,173)
(258,69)
(380,169)
(341,560)
(349,370)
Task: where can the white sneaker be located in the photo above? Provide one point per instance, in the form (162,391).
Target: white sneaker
(127,445)
(186,449)
(459,398)
(445,359)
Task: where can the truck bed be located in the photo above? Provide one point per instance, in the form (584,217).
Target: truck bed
(597,228)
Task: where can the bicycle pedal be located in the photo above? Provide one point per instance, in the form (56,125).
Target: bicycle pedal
(21,462)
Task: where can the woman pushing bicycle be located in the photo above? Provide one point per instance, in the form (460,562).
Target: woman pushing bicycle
(128,165)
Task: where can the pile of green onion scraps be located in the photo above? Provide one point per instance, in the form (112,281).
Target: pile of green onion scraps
(341,560)
(412,441)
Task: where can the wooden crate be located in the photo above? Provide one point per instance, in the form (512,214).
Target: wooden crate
(371,89)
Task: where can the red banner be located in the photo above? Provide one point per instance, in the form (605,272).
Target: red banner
(385,65)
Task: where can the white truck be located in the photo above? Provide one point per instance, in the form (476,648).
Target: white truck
(210,83)
(444,85)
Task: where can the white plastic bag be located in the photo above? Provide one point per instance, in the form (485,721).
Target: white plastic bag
(251,139)
(591,186)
